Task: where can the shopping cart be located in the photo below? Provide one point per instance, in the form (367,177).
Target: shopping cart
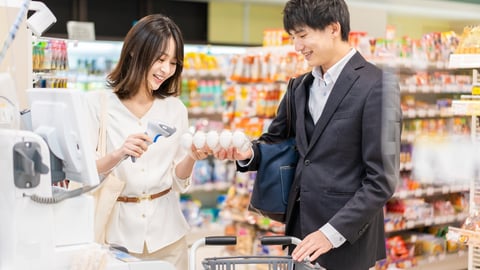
(230,263)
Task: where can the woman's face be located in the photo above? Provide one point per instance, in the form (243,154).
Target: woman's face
(164,67)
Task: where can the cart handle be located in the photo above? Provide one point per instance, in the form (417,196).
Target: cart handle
(279,240)
(209,241)
(220,240)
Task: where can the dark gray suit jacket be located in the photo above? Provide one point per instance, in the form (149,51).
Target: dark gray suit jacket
(349,164)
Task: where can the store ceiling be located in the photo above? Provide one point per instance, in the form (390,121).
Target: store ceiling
(466,1)
(447,9)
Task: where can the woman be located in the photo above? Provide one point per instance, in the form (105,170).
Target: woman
(147,219)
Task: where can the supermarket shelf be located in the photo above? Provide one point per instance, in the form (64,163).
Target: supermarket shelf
(463,236)
(456,261)
(430,191)
(406,65)
(466,107)
(425,113)
(464,61)
(411,224)
(435,89)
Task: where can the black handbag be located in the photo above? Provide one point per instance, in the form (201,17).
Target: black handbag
(275,172)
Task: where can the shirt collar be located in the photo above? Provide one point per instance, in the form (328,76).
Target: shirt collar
(332,74)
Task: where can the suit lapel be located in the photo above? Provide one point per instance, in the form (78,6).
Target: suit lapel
(342,86)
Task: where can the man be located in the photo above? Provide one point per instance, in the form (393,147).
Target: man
(347,131)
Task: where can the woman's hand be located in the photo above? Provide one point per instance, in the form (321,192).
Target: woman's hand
(135,145)
(199,153)
(184,169)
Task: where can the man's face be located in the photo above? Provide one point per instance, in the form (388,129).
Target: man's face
(316,45)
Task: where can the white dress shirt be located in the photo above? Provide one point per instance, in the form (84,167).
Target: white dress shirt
(323,84)
(158,222)
(319,92)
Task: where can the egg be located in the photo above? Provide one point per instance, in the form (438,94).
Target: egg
(199,139)
(238,138)
(226,138)
(186,141)
(247,144)
(212,140)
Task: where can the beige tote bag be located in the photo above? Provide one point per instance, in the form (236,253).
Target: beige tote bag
(111,187)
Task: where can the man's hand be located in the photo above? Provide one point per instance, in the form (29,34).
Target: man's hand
(233,153)
(314,245)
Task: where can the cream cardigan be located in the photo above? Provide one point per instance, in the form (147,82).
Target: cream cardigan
(158,222)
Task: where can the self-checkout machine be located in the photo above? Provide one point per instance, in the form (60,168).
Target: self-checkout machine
(44,227)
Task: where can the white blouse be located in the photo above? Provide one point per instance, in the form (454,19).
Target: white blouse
(158,222)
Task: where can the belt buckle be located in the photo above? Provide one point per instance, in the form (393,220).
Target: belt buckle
(144,197)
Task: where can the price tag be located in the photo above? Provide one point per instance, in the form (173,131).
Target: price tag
(202,72)
(441,220)
(431,259)
(418,192)
(476,90)
(452,88)
(81,30)
(410,224)
(455,189)
(402,194)
(411,113)
(411,137)
(437,88)
(422,113)
(412,88)
(431,112)
(430,191)
(428,221)
(446,190)
(408,166)
(425,88)
(413,238)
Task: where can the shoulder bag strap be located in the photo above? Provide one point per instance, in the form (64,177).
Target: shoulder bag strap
(289,98)
(102,135)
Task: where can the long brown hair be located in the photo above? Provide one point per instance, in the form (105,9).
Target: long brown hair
(144,44)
